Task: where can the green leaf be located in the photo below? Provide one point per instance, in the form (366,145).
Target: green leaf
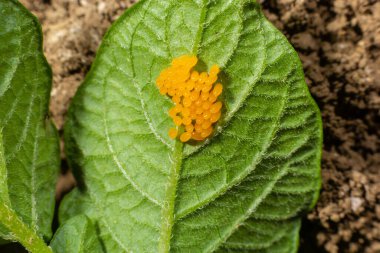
(257,236)
(12,228)
(76,203)
(19,231)
(76,235)
(4,197)
(31,147)
(150,194)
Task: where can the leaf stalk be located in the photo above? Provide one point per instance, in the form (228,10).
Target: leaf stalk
(20,232)
(169,204)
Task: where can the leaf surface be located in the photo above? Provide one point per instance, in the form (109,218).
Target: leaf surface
(257,236)
(77,235)
(261,166)
(4,197)
(31,150)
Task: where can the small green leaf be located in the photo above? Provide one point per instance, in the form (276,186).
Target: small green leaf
(31,148)
(76,203)
(76,235)
(150,194)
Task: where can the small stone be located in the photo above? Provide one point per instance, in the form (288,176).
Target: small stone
(356,203)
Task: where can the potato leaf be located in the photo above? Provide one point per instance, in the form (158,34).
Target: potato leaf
(31,150)
(76,235)
(243,189)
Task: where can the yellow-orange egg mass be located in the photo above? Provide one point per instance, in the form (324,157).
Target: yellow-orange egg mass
(195,96)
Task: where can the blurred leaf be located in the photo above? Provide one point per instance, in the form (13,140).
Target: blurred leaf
(76,235)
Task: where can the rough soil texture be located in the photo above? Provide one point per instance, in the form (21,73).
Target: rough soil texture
(339,44)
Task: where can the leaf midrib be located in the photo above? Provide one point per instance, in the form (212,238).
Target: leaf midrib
(168,212)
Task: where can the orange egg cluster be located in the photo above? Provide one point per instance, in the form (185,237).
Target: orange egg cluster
(195,97)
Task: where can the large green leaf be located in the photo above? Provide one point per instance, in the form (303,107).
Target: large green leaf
(147,192)
(76,235)
(30,141)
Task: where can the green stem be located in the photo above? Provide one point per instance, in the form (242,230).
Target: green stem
(169,205)
(20,232)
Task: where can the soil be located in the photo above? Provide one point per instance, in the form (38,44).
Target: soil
(339,44)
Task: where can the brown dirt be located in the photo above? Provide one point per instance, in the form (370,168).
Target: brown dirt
(339,44)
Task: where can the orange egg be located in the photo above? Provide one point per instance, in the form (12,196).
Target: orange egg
(185,137)
(190,85)
(173,133)
(199,120)
(177,121)
(197,136)
(207,87)
(163,91)
(206,105)
(203,77)
(198,103)
(186,121)
(212,98)
(172,113)
(214,70)
(217,90)
(194,76)
(206,115)
(206,132)
(171,92)
(215,117)
(216,107)
(189,128)
(176,99)
(186,102)
(199,110)
(204,95)
(186,112)
(178,108)
(194,95)
(198,128)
